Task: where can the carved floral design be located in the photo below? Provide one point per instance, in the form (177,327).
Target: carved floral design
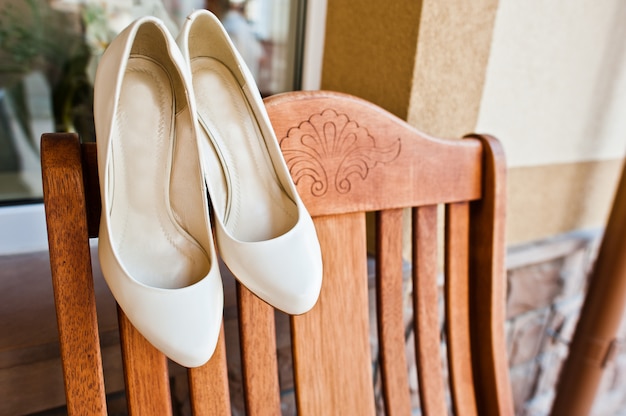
(331,150)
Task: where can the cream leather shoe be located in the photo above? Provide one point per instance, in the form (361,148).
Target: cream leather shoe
(156,249)
(264,233)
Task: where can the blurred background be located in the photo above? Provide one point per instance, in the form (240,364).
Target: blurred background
(49,51)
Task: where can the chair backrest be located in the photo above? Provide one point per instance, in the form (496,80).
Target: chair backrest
(348,158)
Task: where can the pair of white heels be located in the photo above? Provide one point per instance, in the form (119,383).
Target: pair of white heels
(173,121)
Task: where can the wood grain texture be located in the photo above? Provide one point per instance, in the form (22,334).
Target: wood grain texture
(145,373)
(332,359)
(426,311)
(457,308)
(257,335)
(390,312)
(373,156)
(208,385)
(488,284)
(72,280)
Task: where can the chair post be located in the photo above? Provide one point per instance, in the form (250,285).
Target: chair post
(72,277)
(594,343)
(488,284)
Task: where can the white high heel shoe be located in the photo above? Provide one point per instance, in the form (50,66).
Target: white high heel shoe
(156,249)
(264,233)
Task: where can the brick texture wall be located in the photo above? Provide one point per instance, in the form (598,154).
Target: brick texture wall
(547,283)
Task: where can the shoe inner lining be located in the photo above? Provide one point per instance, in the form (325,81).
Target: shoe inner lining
(245,190)
(153,247)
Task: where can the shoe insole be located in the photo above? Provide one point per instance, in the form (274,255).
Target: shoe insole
(154,248)
(245,189)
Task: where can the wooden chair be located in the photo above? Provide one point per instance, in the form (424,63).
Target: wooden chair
(348,157)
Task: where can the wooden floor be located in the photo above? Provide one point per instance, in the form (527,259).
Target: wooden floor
(31,379)
(30,373)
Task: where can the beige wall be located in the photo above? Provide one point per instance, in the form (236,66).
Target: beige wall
(556,81)
(555,95)
(547,78)
(449,73)
(548,200)
(370,50)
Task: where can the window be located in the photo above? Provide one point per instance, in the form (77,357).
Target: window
(49,51)
(48,55)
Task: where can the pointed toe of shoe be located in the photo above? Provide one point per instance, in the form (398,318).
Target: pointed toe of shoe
(285,271)
(183,323)
(187,335)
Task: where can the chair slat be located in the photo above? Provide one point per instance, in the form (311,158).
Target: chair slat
(457,309)
(257,335)
(389,290)
(70,263)
(331,349)
(145,373)
(426,311)
(208,385)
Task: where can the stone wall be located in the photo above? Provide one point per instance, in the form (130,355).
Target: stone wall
(547,282)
